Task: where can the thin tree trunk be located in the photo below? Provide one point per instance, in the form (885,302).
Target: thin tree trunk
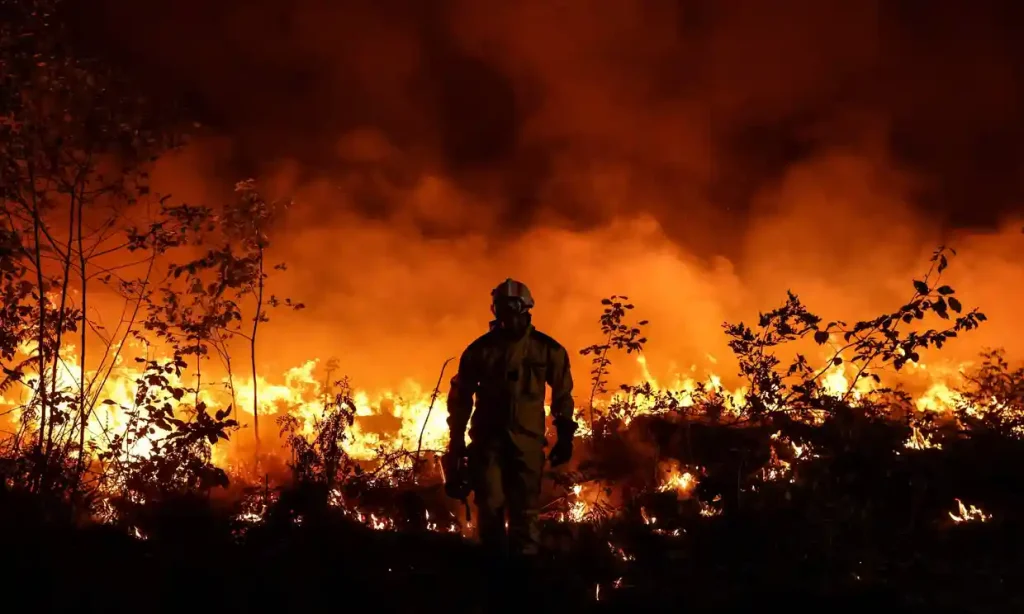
(199,374)
(597,381)
(61,314)
(231,372)
(41,287)
(100,382)
(83,413)
(41,341)
(252,352)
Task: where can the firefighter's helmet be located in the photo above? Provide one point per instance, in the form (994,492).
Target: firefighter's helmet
(513,293)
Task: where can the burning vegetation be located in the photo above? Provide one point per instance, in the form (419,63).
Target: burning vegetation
(138,424)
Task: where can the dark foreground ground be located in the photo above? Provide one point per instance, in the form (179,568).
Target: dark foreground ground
(743,564)
(860,529)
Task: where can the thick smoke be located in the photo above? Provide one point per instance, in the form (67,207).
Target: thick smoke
(701,157)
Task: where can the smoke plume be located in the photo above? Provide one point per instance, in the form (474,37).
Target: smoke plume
(700,157)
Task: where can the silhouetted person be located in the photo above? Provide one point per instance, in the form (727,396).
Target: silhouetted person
(506,370)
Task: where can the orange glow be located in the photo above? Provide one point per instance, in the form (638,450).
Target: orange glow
(617,175)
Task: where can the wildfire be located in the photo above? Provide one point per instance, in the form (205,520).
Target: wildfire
(397,268)
(406,420)
(390,419)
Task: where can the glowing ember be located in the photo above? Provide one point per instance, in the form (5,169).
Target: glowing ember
(708,510)
(778,469)
(968,513)
(620,553)
(672,533)
(678,481)
(579,508)
(920,440)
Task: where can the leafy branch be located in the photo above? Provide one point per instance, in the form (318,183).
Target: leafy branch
(617,336)
(871,344)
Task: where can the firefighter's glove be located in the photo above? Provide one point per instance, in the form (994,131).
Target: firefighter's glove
(561,452)
(457,488)
(455,467)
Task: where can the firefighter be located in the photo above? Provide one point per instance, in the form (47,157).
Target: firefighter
(506,371)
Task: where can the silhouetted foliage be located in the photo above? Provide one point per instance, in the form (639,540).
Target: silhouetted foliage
(870,345)
(174,458)
(320,458)
(617,336)
(76,142)
(993,399)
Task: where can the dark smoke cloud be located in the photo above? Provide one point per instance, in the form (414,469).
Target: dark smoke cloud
(688,108)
